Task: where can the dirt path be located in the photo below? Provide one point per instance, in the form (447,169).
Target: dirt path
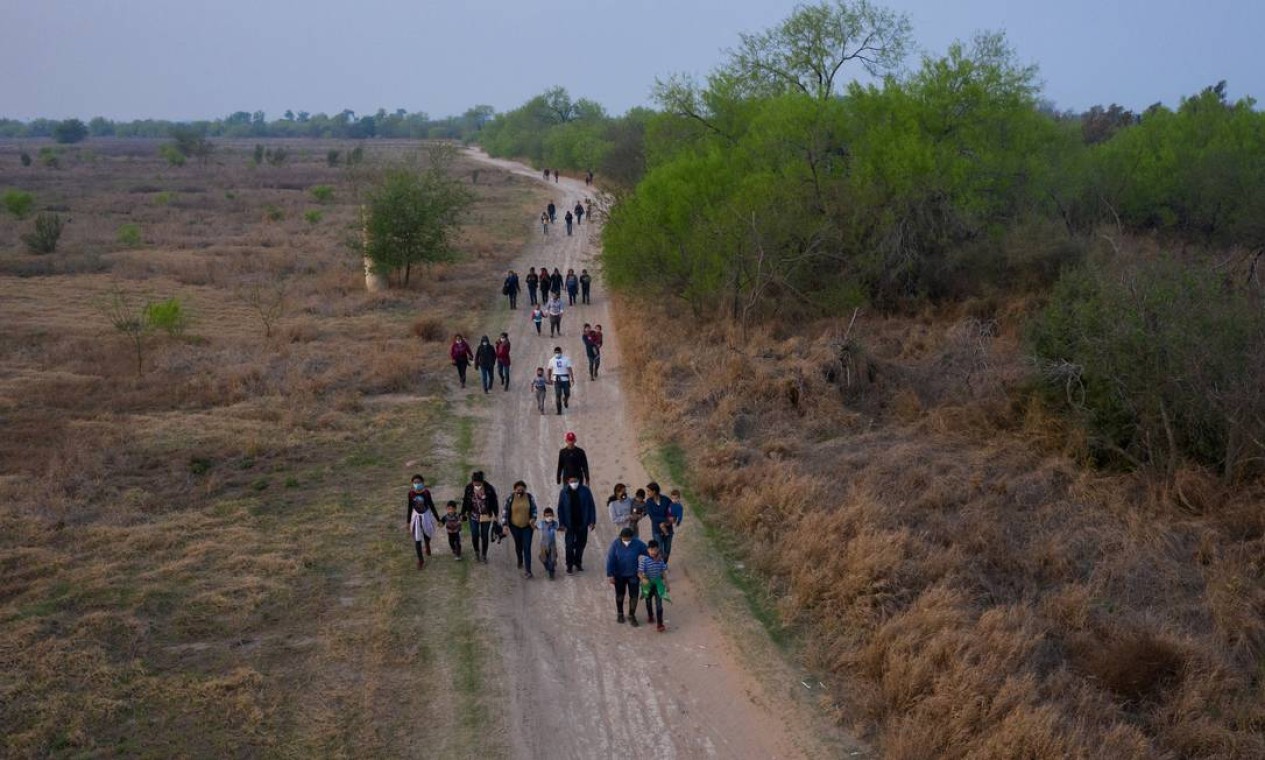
(581,685)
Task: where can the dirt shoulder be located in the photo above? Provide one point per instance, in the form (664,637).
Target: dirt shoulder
(580,684)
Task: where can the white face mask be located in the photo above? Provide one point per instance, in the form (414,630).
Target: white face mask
(418,486)
(627,543)
(574,484)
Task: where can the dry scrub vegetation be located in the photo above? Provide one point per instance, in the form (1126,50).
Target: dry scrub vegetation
(935,540)
(208,559)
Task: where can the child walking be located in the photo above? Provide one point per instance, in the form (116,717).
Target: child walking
(548,527)
(654,583)
(540,385)
(537,316)
(452,524)
(422,518)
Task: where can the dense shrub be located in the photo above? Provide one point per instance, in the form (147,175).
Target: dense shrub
(170,316)
(129,235)
(70,131)
(18,203)
(1163,360)
(323,193)
(43,239)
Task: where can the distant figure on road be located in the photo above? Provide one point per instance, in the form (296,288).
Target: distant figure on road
(544,222)
(621,572)
(577,516)
(555,282)
(569,219)
(586,285)
(485,362)
(555,176)
(540,385)
(461,356)
(533,279)
(579,213)
(479,506)
(573,286)
(588,177)
(537,316)
(592,349)
(554,309)
(560,373)
(511,288)
(553,212)
(502,349)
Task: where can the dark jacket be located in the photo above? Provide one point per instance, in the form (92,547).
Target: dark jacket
(485,356)
(573,283)
(467,501)
(419,501)
(511,284)
(555,282)
(573,461)
(658,511)
(532,280)
(621,561)
(578,516)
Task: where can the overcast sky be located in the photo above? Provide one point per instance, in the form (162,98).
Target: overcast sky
(127,59)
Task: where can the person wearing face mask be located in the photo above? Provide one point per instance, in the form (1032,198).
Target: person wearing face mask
(577,515)
(479,507)
(560,374)
(421,517)
(520,515)
(621,572)
(485,362)
(502,349)
(620,505)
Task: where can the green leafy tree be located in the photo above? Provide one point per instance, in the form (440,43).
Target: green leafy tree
(70,131)
(411,215)
(18,202)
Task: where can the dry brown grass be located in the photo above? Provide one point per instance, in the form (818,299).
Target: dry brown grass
(933,536)
(206,560)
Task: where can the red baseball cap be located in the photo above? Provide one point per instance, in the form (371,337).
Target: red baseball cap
(570,437)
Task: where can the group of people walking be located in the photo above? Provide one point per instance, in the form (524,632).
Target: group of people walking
(634,568)
(574,217)
(543,284)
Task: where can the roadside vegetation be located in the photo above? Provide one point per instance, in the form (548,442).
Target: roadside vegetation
(208,429)
(976,384)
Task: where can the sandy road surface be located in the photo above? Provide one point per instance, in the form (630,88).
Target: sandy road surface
(581,685)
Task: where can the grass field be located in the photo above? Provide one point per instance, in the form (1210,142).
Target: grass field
(208,558)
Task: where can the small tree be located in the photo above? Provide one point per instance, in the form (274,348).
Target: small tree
(331,157)
(25,158)
(70,131)
(129,235)
(411,215)
(266,296)
(18,203)
(170,316)
(129,318)
(191,143)
(43,239)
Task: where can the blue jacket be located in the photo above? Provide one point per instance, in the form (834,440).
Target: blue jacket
(621,561)
(587,516)
(658,510)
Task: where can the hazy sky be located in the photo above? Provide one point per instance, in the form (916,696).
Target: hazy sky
(127,59)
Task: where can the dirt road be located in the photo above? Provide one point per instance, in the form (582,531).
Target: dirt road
(581,685)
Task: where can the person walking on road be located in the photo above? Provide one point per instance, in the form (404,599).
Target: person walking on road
(479,506)
(664,517)
(577,516)
(544,222)
(511,288)
(421,517)
(555,309)
(555,282)
(540,388)
(568,219)
(485,362)
(573,287)
(592,349)
(572,461)
(533,280)
(560,374)
(579,213)
(653,572)
(519,516)
(586,284)
(461,356)
(619,504)
(452,526)
(537,316)
(621,572)
(548,528)
(502,349)
(552,210)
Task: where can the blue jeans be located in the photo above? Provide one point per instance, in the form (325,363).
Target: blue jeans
(665,542)
(562,393)
(522,545)
(486,374)
(575,541)
(503,373)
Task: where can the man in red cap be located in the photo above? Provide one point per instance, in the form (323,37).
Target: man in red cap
(572,462)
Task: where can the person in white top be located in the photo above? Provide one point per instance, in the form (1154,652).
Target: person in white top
(554,309)
(561,374)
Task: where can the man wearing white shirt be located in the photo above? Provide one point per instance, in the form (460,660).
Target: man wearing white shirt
(560,374)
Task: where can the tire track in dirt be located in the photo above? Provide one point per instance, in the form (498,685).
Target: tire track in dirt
(581,685)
